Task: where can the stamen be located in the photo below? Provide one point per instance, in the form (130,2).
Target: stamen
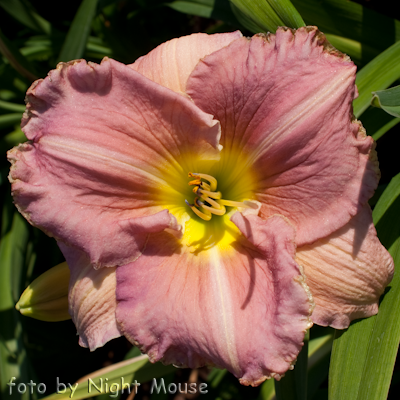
(230,203)
(205,186)
(212,210)
(209,200)
(209,178)
(206,215)
(213,195)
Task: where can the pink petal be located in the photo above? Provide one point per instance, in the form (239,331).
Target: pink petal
(105,144)
(285,101)
(91,300)
(171,63)
(242,307)
(347,272)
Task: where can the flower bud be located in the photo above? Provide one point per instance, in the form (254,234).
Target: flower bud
(46,298)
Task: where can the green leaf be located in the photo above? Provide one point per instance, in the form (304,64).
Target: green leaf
(377,122)
(388,100)
(202,8)
(378,74)
(16,59)
(12,139)
(15,236)
(244,20)
(267,391)
(382,210)
(357,31)
(75,42)
(293,386)
(137,369)
(215,376)
(363,356)
(11,106)
(319,349)
(95,45)
(23,12)
(217,9)
(287,12)
(373,31)
(260,13)
(267,15)
(348,46)
(10,119)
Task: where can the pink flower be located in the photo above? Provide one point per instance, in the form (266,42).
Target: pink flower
(281,173)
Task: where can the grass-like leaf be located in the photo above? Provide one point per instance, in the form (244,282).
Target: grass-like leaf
(75,42)
(377,122)
(23,12)
(379,74)
(375,32)
(319,349)
(13,362)
(101,381)
(293,386)
(12,139)
(5,105)
(7,120)
(16,59)
(217,9)
(388,100)
(347,25)
(363,356)
(267,15)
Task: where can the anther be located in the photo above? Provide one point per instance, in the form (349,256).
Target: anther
(209,178)
(208,201)
(195,182)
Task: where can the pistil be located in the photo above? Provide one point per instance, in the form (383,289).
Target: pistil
(208,201)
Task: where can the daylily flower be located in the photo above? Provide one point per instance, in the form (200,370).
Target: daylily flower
(192,192)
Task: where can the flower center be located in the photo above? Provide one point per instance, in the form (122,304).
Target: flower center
(208,200)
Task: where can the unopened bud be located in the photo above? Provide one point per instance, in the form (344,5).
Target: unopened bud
(46,298)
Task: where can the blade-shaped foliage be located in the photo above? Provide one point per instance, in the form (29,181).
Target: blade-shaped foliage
(5,105)
(16,59)
(363,356)
(319,349)
(218,9)
(353,29)
(10,119)
(388,100)
(13,361)
(23,12)
(378,74)
(78,34)
(375,32)
(293,386)
(138,369)
(267,15)
(377,122)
